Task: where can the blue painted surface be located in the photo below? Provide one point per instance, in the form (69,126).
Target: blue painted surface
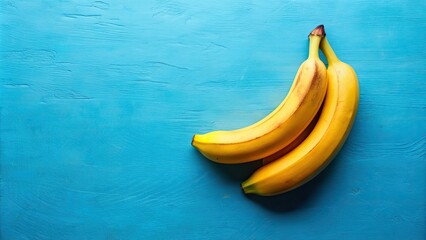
(100,99)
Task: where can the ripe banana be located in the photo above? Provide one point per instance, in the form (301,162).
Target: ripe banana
(296,142)
(318,149)
(280,127)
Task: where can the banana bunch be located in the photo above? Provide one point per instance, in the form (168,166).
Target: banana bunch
(302,135)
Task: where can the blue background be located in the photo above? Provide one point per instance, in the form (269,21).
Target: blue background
(100,99)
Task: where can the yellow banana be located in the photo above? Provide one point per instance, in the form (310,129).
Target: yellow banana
(318,149)
(296,142)
(280,127)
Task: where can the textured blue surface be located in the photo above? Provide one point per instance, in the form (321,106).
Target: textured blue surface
(100,99)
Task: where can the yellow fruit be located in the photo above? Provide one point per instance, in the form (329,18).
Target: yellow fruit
(281,127)
(308,159)
(296,142)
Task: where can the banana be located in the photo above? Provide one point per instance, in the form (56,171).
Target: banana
(295,142)
(280,127)
(308,159)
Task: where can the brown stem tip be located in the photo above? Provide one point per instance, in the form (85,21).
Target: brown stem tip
(318,31)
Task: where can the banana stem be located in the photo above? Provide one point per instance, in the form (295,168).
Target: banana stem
(328,51)
(314,46)
(314,41)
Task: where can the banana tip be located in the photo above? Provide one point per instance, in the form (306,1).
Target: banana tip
(192,141)
(246,189)
(318,31)
(242,188)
